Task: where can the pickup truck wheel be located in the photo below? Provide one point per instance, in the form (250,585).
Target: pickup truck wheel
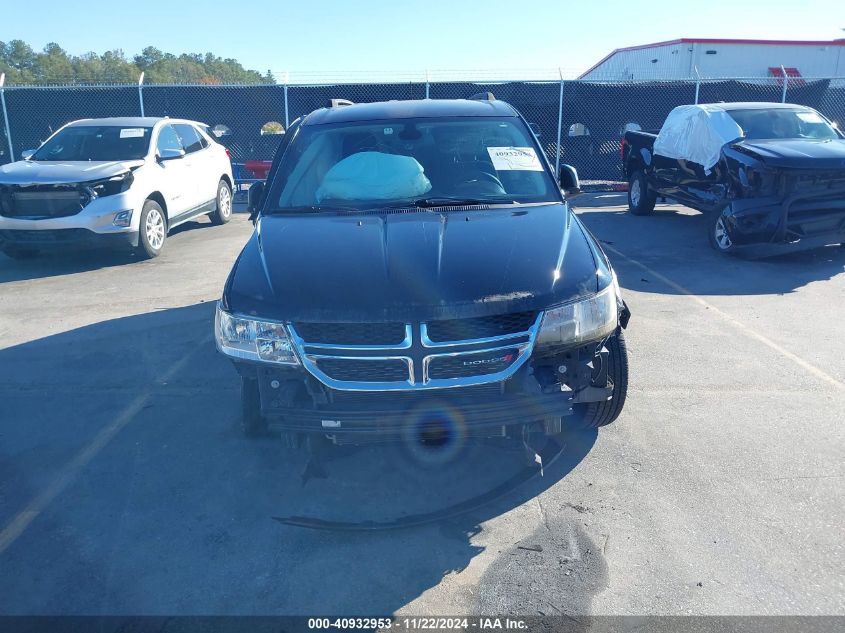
(223,211)
(596,414)
(641,199)
(253,423)
(152,230)
(717,232)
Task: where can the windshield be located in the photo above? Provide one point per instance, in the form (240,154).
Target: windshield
(376,164)
(781,123)
(95,143)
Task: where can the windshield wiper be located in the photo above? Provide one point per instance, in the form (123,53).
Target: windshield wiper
(315,208)
(446,201)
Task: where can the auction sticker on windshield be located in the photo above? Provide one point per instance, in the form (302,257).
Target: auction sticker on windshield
(514,159)
(131,132)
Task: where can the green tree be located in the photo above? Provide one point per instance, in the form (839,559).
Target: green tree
(22,65)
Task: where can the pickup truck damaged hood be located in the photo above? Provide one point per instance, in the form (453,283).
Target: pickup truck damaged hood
(411,266)
(797,153)
(31,172)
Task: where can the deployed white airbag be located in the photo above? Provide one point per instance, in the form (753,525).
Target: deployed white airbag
(374,176)
(696,133)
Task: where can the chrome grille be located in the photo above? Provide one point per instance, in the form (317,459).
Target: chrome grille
(490,349)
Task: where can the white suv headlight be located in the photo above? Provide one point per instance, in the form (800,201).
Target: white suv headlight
(581,321)
(251,339)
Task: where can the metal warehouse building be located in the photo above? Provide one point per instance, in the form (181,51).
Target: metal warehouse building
(691,58)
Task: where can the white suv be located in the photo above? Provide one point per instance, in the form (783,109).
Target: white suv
(124,181)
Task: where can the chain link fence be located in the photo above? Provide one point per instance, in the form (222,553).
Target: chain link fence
(579,122)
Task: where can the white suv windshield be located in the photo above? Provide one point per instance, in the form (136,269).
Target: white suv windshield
(384,163)
(96,143)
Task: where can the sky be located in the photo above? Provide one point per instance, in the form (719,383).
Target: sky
(407,38)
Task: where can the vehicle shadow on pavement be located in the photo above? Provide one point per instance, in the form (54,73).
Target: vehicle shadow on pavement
(68,262)
(675,245)
(148,500)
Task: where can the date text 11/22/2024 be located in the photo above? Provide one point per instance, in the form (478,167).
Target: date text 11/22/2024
(419,623)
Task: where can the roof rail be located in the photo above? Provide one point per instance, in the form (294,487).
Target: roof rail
(336,103)
(483,96)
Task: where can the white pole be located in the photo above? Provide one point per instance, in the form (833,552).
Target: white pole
(559,124)
(141,92)
(287,123)
(426,84)
(6,117)
(697,83)
(785,81)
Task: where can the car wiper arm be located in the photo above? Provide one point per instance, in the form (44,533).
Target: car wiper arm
(442,201)
(316,208)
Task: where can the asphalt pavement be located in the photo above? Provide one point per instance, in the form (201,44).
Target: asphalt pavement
(127,488)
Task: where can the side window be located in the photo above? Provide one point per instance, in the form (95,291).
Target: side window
(168,140)
(190,137)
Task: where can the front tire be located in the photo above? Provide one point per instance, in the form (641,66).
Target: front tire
(717,233)
(253,424)
(641,199)
(152,230)
(223,212)
(596,414)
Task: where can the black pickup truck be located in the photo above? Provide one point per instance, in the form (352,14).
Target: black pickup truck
(770,176)
(416,272)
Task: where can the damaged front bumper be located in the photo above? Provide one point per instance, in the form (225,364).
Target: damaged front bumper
(795,221)
(546,390)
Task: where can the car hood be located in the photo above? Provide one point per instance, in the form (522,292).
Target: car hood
(412,266)
(31,172)
(797,153)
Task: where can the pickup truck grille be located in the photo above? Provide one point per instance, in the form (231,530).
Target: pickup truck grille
(411,356)
(38,202)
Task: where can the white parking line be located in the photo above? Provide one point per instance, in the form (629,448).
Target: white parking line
(68,474)
(739,325)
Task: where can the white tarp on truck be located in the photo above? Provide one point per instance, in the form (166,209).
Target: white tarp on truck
(696,133)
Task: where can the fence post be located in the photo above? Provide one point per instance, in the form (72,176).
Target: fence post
(426,84)
(697,84)
(287,123)
(785,81)
(141,92)
(6,117)
(559,124)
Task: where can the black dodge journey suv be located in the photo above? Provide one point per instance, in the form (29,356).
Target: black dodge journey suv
(416,269)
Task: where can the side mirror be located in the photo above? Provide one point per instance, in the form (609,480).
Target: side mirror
(169,154)
(253,197)
(27,154)
(569,182)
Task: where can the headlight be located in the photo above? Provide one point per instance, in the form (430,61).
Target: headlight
(251,339)
(581,321)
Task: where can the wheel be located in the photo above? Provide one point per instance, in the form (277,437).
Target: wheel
(253,423)
(16,252)
(717,233)
(223,213)
(596,414)
(640,198)
(152,230)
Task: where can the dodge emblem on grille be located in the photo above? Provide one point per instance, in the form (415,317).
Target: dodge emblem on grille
(487,361)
